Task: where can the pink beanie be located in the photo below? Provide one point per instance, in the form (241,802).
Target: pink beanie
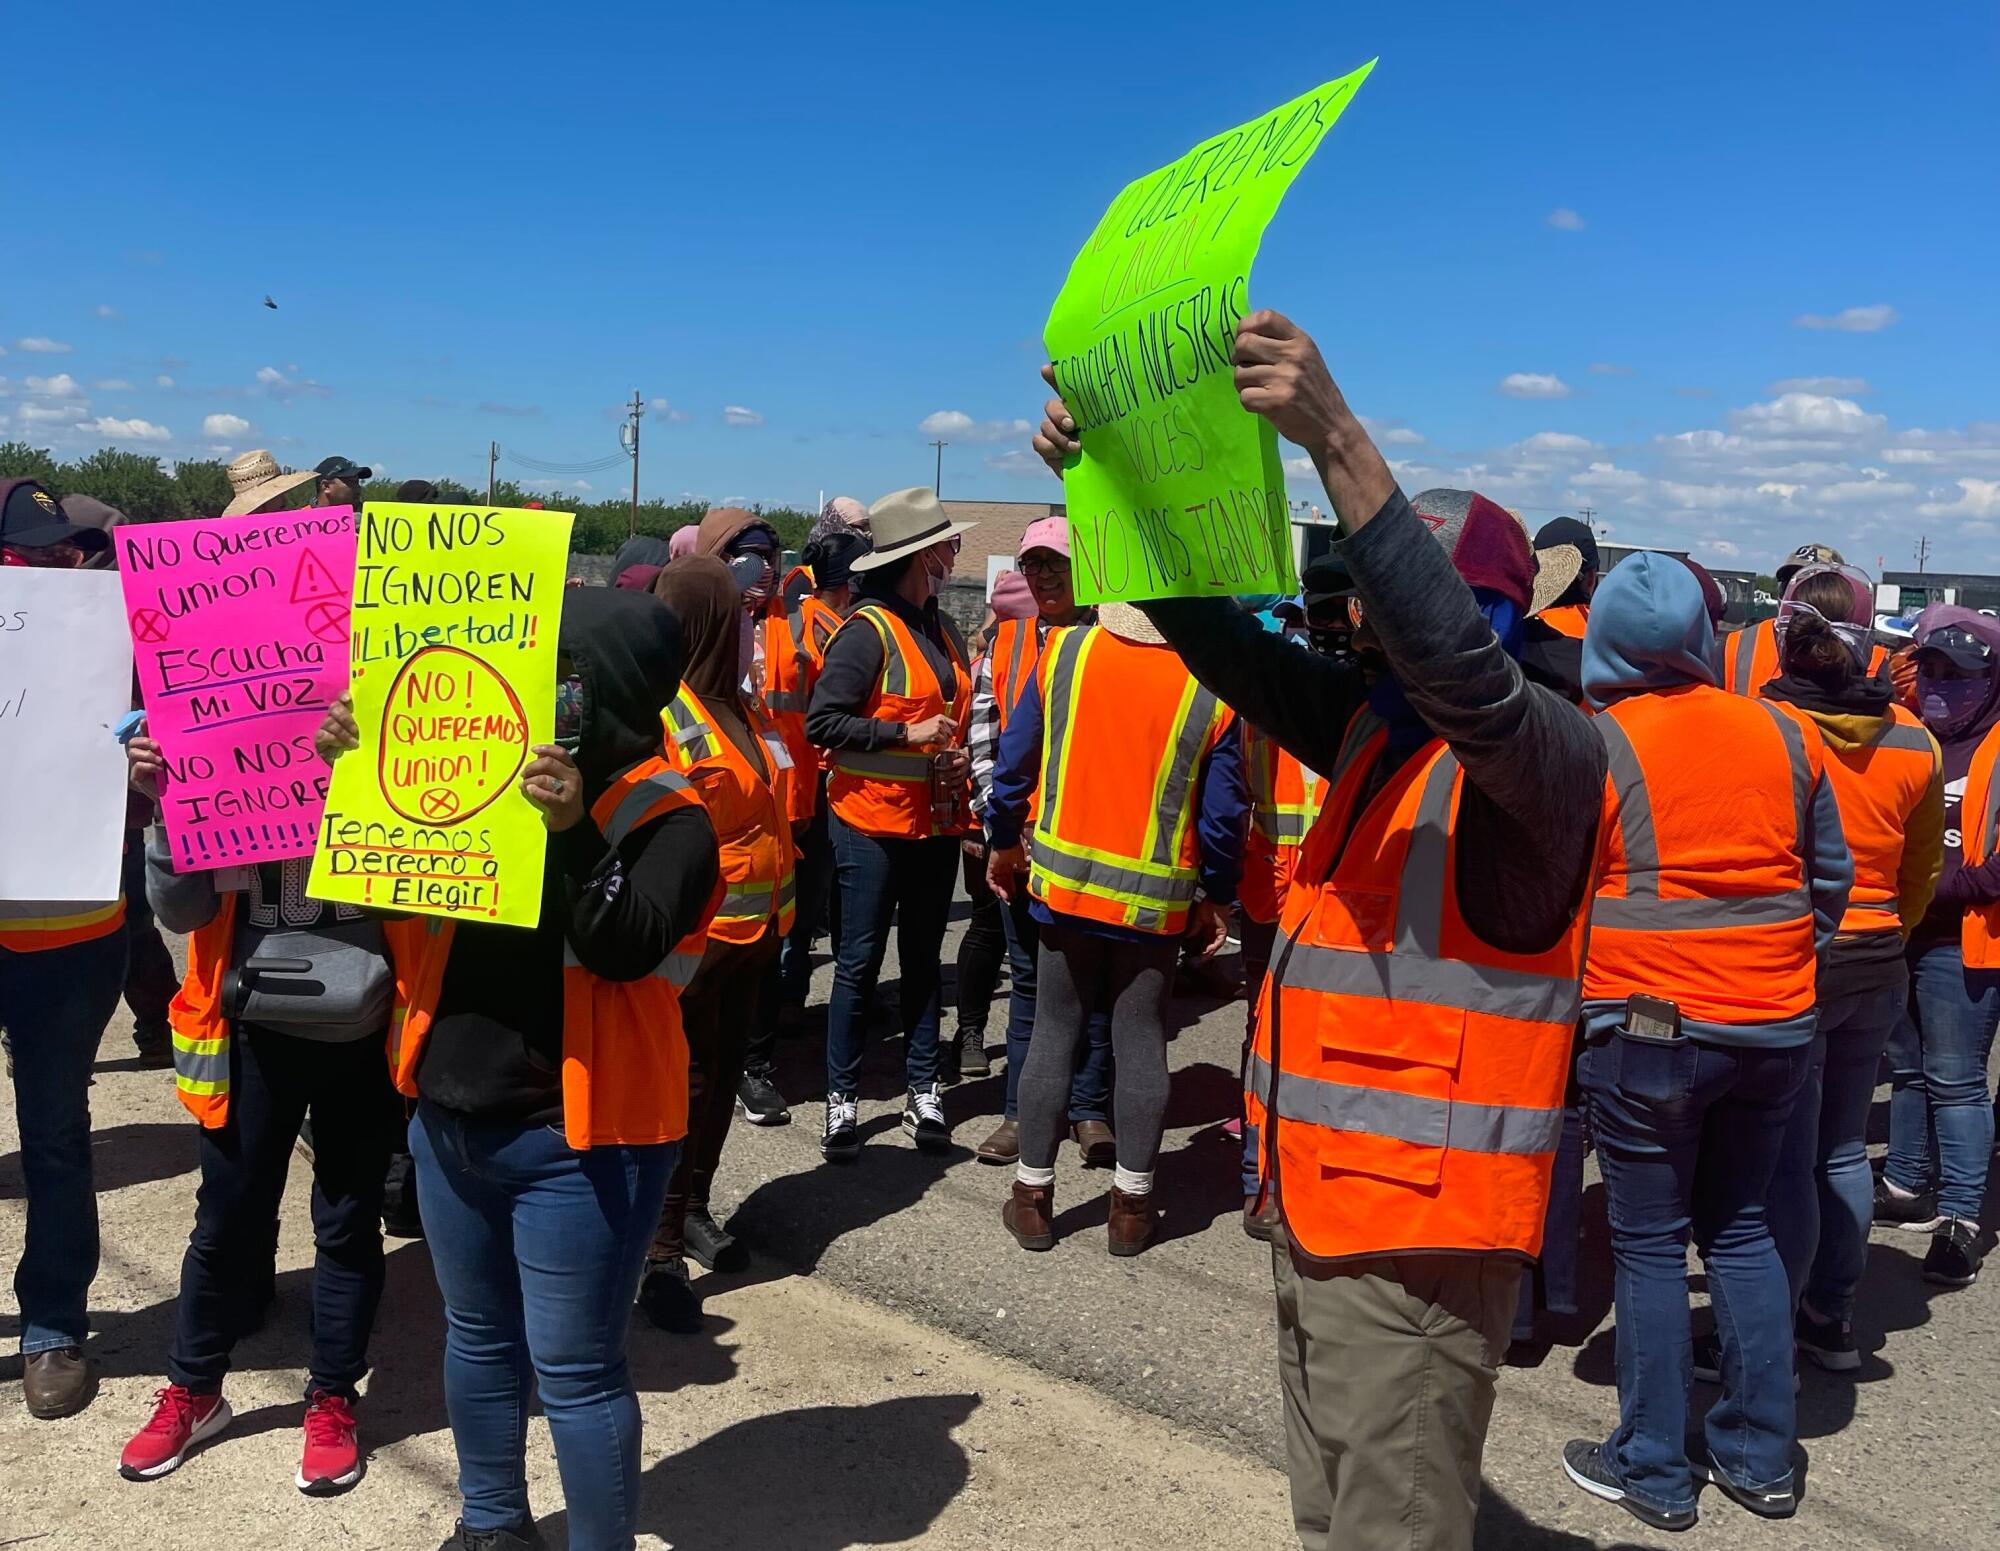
(1011,598)
(681,541)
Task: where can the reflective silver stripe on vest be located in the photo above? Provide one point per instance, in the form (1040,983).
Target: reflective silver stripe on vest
(739,904)
(1886,906)
(1055,716)
(1413,1118)
(895,670)
(1746,657)
(1912,740)
(1362,726)
(1640,908)
(192,1067)
(677,967)
(1403,977)
(633,805)
(1281,826)
(785,700)
(887,764)
(691,734)
(1084,872)
(1174,813)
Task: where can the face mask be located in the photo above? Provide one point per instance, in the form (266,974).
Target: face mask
(1946,702)
(935,579)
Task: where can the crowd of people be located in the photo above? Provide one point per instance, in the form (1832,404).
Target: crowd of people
(1524,861)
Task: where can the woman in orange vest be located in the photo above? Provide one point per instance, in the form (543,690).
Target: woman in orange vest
(550,1072)
(1568,548)
(890,709)
(1725,880)
(62,964)
(1005,674)
(1136,778)
(731,751)
(1888,780)
(1941,1101)
(1750,655)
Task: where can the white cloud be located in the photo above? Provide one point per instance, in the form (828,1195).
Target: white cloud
(666,410)
(1395,436)
(1608,477)
(1842,387)
(1860,492)
(954,423)
(39,345)
(1811,413)
(284,389)
(112,385)
(106,310)
(269,375)
(1611,369)
(163,381)
(1978,498)
(224,428)
(1564,219)
(736,414)
(60,386)
(1018,460)
(47,414)
(1534,385)
(1850,320)
(129,430)
(1555,441)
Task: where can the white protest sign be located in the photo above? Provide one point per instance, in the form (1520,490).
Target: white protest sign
(65,683)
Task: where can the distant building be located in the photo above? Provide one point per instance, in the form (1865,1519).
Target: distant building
(1919,589)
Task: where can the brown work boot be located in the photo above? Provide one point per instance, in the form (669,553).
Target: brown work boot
(1029,1215)
(56,1383)
(1094,1140)
(1260,1218)
(1133,1222)
(1003,1146)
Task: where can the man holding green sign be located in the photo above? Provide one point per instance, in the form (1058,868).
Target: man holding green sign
(1179,491)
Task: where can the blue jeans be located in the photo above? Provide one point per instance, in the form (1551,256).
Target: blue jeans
(1090,1088)
(1823,1195)
(54,1005)
(909,882)
(1940,1114)
(1688,1136)
(538,1250)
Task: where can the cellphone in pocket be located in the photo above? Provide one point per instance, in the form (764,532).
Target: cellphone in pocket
(1653,1020)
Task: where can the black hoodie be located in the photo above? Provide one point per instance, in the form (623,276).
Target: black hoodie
(495,1049)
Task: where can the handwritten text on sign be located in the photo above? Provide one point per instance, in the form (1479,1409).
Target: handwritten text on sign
(239,631)
(1179,490)
(454,671)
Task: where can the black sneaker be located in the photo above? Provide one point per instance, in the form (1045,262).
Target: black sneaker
(1583,1463)
(972,1061)
(761,1102)
(710,1245)
(923,1118)
(401,1219)
(1766,1505)
(1954,1257)
(1828,1342)
(1915,1214)
(841,1141)
(522,1537)
(668,1300)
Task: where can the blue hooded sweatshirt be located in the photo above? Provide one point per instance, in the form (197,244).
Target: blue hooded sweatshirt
(1649,630)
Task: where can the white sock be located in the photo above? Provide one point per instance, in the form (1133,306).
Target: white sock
(1131,1182)
(1028,1176)
(1898,1191)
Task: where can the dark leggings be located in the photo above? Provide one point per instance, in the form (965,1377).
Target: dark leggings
(718,1010)
(1079,971)
(981,951)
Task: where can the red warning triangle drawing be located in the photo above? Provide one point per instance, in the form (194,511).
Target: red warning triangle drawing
(313,580)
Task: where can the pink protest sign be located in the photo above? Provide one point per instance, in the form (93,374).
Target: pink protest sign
(239,633)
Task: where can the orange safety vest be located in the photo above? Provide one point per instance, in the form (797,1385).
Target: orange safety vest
(1704,898)
(1877,788)
(1978,829)
(1284,801)
(1750,657)
(1125,729)
(886,792)
(625,1057)
(1568,619)
(1415,1072)
(1014,656)
(795,642)
(27,927)
(746,804)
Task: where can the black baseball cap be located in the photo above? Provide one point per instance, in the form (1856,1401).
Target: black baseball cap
(31,518)
(1326,579)
(342,468)
(1959,647)
(1568,530)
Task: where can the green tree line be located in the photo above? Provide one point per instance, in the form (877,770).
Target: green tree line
(146,492)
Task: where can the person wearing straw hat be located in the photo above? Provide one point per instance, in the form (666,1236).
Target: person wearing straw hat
(1565,576)
(1135,774)
(259,483)
(890,708)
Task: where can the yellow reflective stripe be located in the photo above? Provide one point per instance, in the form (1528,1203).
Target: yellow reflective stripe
(883,764)
(1152,869)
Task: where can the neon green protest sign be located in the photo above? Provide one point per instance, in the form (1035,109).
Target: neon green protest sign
(1179,490)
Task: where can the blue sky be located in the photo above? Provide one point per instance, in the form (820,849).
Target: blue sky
(1558,252)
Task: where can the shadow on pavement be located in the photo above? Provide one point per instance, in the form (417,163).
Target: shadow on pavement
(852,1476)
(1503,1527)
(135,1154)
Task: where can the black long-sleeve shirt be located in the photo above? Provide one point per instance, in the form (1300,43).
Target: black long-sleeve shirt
(854,665)
(495,1047)
(1534,769)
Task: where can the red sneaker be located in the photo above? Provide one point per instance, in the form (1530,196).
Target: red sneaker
(180,1420)
(332,1459)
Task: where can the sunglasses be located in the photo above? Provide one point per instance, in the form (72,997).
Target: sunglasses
(1043,565)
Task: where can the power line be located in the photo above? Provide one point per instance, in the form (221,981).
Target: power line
(547,466)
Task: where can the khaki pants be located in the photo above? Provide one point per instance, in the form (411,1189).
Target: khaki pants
(1388,1367)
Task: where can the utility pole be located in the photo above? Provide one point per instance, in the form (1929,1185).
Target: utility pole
(628,433)
(492,458)
(1923,552)
(937,482)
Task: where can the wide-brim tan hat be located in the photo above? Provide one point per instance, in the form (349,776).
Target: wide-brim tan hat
(256,478)
(906,521)
(1129,624)
(1556,569)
